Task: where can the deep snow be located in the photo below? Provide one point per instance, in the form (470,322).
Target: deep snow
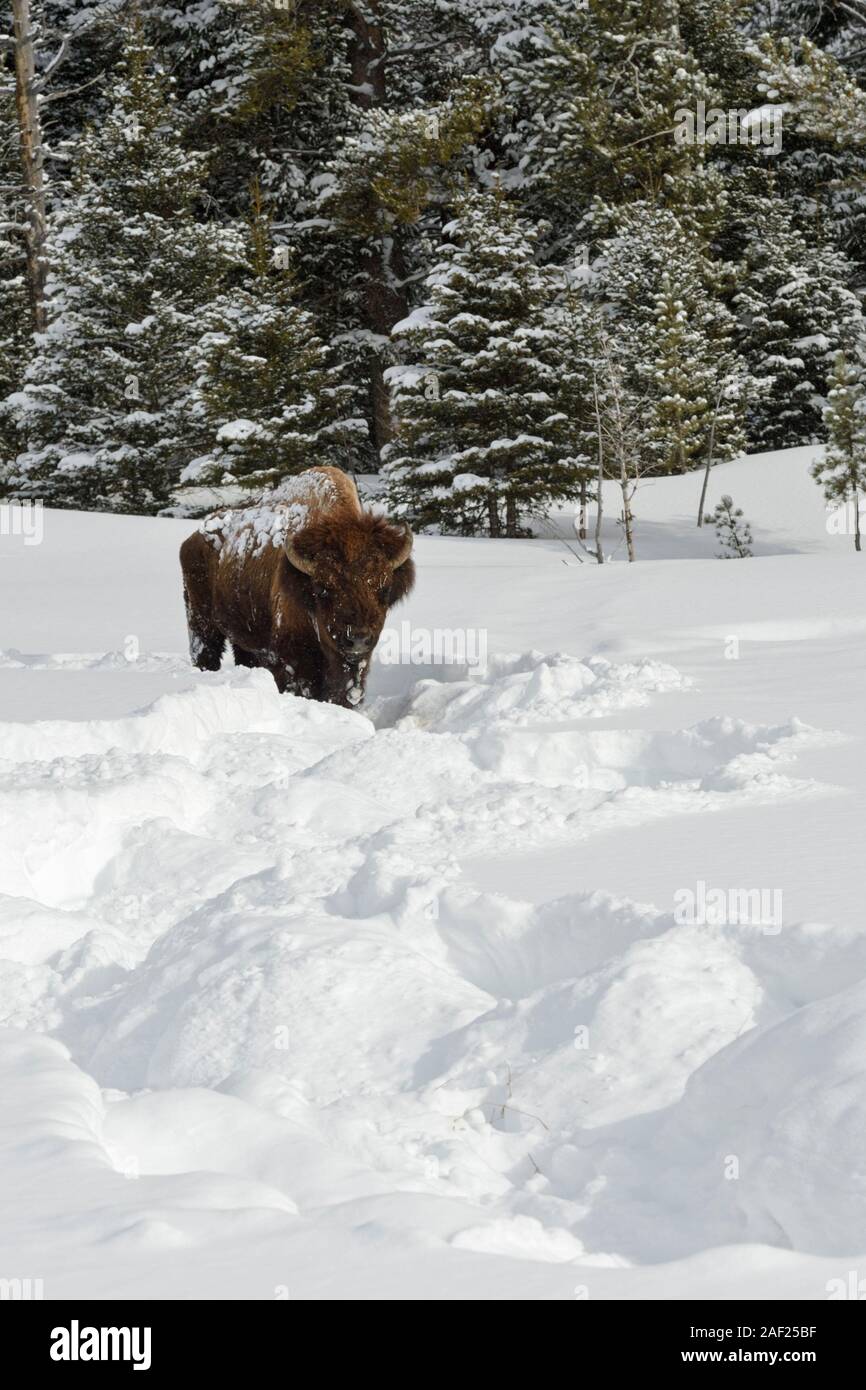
(309,1002)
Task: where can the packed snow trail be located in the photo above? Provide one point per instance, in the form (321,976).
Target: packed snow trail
(247,919)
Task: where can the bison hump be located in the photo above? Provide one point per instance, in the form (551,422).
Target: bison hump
(245,532)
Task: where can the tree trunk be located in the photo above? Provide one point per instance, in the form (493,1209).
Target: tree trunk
(711,448)
(599,552)
(856,519)
(510,516)
(627,518)
(493,516)
(32,158)
(581,529)
(384,301)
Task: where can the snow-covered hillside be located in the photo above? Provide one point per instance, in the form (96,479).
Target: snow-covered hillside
(306,1002)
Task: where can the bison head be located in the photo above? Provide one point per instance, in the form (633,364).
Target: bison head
(356,569)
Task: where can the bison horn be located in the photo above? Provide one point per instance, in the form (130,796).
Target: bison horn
(299,561)
(405,550)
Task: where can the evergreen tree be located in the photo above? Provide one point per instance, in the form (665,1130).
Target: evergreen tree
(14,346)
(668,304)
(795,309)
(268,397)
(820,171)
(733,531)
(577,323)
(478,443)
(345,112)
(691,375)
(106,399)
(842,471)
(264,86)
(15,313)
(372,206)
(596,89)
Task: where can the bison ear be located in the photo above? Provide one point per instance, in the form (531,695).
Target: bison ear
(295,554)
(401,549)
(402,564)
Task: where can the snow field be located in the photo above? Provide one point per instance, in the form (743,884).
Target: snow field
(396,1003)
(245,917)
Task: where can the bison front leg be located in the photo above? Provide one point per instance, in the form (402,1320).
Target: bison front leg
(283,679)
(206,643)
(287,679)
(345,683)
(243,657)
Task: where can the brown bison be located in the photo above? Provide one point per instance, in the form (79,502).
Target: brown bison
(299,583)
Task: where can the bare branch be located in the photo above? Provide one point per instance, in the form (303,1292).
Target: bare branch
(407,52)
(71,91)
(60,57)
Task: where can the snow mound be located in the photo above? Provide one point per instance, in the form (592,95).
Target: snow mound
(519,690)
(226,703)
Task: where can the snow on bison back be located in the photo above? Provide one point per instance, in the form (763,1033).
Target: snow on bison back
(299,583)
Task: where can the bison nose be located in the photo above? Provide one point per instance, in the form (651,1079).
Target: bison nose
(359,640)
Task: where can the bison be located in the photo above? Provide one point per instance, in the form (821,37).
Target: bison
(299,583)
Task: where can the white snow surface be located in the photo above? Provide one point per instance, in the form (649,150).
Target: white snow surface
(395,1003)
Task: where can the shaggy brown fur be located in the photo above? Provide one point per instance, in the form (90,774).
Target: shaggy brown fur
(314,627)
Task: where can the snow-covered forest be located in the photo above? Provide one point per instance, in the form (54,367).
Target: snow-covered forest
(496,251)
(513,949)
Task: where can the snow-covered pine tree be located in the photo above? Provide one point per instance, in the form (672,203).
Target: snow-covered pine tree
(667,303)
(595,89)
(679,372)
(89,40)
(821,168)
(371,206)
(14,346)
(268,398)
(732,530)
(263,86)
(692,375)
(577,322)
(796,308)
(842,471)
(345,111)
(15,308)
(478,446)
(105,401)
